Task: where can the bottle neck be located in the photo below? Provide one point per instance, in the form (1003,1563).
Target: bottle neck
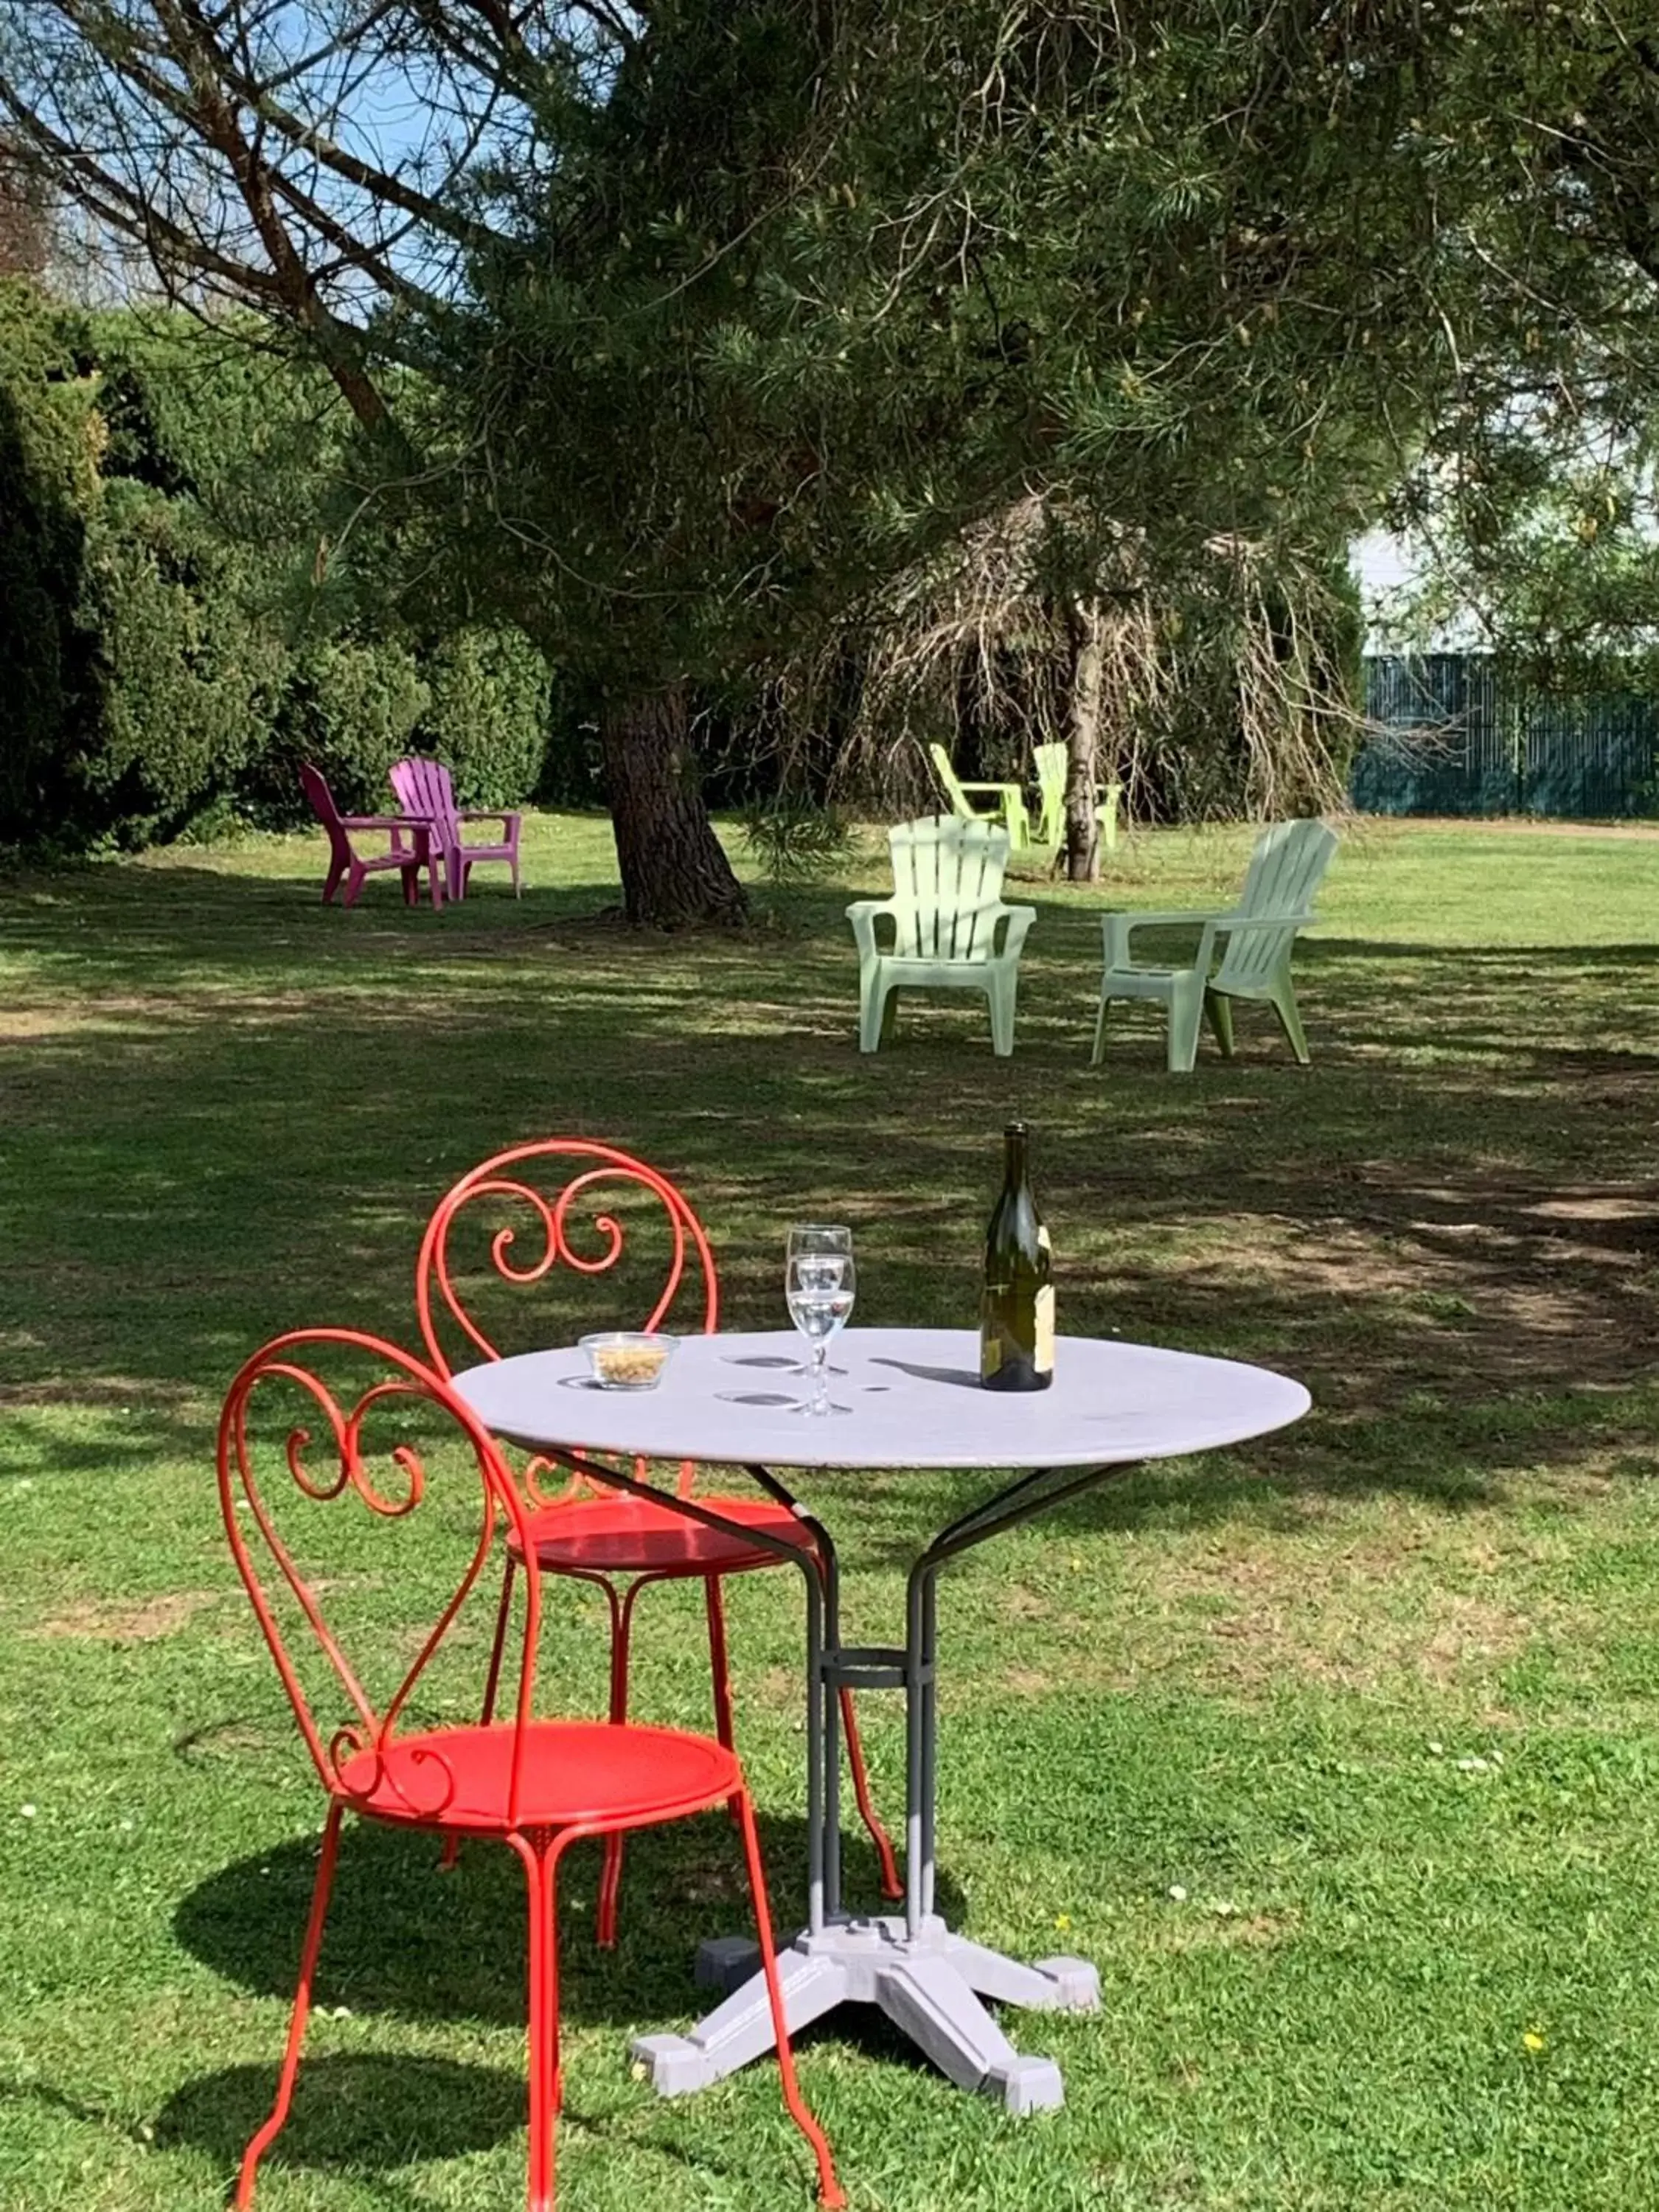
(1013,1159)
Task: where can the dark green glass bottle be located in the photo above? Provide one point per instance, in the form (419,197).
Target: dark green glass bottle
(1016,1305)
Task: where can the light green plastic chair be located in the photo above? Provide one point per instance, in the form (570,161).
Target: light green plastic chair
(1051,787)
(1255,940)
(1007,800)
(948,928)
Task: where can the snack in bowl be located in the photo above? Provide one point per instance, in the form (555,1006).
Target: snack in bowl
(625,1359)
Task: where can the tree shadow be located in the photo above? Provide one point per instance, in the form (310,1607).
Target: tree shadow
(1443,1205)
(167,936)
(403,1938)
(126,1437)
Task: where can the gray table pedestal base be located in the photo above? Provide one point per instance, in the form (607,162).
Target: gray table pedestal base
(930,1985)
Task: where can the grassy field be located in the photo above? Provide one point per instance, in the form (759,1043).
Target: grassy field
(1337,1753)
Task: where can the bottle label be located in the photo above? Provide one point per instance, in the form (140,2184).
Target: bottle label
(1044,1362)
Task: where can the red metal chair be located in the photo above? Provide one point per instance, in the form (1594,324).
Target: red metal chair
(586,1532)
(536,1786)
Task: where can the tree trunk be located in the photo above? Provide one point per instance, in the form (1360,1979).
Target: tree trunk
(1083,622)
(673,871)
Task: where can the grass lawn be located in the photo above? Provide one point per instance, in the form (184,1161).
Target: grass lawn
(1337,1752)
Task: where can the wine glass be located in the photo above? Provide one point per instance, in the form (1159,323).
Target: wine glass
(820,1281)
(817,1236)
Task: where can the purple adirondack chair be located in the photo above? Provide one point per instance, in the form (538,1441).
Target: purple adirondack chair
(426,794)
(414,846)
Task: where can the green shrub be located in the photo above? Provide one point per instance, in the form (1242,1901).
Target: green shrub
(351,707)
(184,677)
(49,444)
(573,760)
(487,714)
(166,495)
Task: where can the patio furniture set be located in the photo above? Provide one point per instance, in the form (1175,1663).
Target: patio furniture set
(946,928)
(294,1447)
(428,832)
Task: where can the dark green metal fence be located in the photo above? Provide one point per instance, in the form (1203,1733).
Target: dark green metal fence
(1449,735)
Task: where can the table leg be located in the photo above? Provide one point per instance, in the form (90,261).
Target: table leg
(812,1983)
(815,1854)
(928,1981)
(820,1571)
(929,1734)
(829,1735)
(823,1718)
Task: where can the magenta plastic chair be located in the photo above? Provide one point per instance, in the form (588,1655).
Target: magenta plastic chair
(426,794)
(344,860)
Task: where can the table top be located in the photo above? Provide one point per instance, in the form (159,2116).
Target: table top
(915,1400)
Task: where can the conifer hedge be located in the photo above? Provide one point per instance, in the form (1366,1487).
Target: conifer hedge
(166,661)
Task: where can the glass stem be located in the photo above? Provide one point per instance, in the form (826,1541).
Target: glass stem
(821,1376)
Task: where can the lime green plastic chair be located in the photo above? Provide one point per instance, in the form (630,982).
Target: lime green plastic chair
(1007,800)
(1253,939)
(1051,812)
(946,926)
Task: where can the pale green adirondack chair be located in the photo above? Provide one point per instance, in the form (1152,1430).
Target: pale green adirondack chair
(1051,787)
(1007,800)
(1255,940)
(949,927)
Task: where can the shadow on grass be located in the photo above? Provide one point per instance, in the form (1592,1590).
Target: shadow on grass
(354,2110)
(37,1446)
(1417,1216)
(403,1938)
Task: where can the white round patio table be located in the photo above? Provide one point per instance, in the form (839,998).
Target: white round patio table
(913,1399)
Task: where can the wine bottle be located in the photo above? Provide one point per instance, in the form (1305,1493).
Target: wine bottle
(1016,1305)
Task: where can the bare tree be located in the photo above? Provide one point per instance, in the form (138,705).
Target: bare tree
(994,632)
(311,159)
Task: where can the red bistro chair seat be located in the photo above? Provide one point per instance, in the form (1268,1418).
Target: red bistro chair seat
(536,1785)
(619,1543)
(574,1773)
(619,1535)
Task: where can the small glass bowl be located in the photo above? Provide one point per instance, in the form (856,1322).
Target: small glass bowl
(627,1359)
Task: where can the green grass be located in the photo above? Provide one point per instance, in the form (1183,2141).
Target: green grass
(1336,1753)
